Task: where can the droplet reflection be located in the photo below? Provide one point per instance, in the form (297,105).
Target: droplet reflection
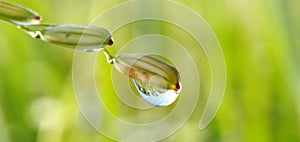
(157,82)
(155,95)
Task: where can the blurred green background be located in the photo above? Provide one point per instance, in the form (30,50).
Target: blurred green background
(261,45)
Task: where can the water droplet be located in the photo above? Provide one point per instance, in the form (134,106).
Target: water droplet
(155,95)
(18,15)
(157,82)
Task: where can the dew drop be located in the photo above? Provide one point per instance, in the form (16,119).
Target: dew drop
(156,96)
(157,82)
